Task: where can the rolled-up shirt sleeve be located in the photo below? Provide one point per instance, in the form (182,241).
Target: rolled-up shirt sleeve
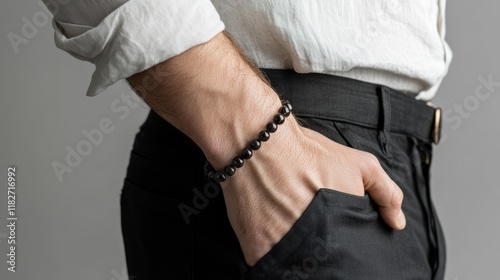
(129,37)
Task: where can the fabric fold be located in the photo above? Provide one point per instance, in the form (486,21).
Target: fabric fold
(138,35)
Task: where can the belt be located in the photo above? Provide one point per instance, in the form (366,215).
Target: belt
(362,103)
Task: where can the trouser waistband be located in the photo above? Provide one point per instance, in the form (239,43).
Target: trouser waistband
(366,104)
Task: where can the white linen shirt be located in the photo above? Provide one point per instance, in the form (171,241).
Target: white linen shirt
(395,43)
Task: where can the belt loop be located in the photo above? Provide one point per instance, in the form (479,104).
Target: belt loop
(385,120)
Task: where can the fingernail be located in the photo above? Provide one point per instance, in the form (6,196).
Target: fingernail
(401,220)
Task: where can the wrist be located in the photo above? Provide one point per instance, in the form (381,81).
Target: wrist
(237,124)
(255,144)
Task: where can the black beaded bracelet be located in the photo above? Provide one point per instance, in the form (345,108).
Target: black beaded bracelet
(237,162)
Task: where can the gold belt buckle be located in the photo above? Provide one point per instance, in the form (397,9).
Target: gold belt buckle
(437,125)
(436,133)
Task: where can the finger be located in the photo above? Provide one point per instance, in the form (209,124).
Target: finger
(385,192)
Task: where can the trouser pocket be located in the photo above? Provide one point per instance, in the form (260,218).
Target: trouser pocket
(341,236)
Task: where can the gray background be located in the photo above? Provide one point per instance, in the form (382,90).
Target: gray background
(71,229)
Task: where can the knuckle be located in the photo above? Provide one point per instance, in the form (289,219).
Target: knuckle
(371,163)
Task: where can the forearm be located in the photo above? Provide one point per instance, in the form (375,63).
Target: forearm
(213,95)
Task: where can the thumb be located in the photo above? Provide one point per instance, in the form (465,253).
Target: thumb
(385,192)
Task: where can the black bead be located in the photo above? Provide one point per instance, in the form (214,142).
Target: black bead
(271,127)
(288,105)
(255,144)
(279,118)
(246,153)
(211,175)
(220,177)
(207,168)
(229,170)
(264,135)
(285,111)
(237,162)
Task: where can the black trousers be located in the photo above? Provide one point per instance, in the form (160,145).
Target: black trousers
(175,226)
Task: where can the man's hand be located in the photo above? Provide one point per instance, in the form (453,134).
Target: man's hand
(214,96)
(274,187)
